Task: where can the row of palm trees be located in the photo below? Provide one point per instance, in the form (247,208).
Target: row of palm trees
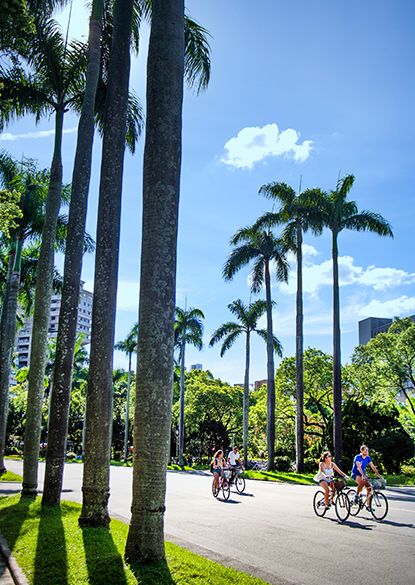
(50,75)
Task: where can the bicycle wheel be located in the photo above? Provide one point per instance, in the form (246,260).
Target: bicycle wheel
(240,484)
(318,504)
(379,506)
(342,507)
(226,489)
(215,489)
(354,502)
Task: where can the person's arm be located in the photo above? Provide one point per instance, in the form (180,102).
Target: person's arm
(375,470)
(339,470)
(359,467)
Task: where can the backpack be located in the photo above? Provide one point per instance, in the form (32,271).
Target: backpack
(211,467)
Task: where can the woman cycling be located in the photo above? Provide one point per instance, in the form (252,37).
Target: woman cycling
(360,462)
(325,475)
(217,465)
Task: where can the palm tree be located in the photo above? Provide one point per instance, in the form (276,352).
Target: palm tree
(229,332)
(32,185)
(188,328)
(261,247)
(338,213)
(96,483)
(128,346)
(161,187)
(47,80)
(299,215)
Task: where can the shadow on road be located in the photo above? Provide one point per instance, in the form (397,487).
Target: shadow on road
(245,495)
(401,495)
(351,524)
(397,524)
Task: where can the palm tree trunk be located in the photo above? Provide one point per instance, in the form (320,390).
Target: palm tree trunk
(161,187)
(8,335)
(337,381)
(43,294)
(299,355)
(181,417)
(68,317)
(270,374)
(246,400)
(95,487)
(127,409)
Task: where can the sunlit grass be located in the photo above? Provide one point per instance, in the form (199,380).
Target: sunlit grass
(10,476)
(52,550)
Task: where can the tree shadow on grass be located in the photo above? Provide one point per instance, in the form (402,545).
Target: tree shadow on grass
(104,562)
(51,563)
(12,518)
(153,573)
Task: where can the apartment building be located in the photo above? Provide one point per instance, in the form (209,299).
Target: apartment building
(24,336)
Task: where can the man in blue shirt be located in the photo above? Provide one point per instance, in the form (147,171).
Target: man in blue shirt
(360,462)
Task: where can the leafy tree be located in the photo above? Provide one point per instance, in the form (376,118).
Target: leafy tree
(338,213)
(128,346)
(188,329)
(166,70)
(10,211)
(261,247)
(298,214)
(229,332)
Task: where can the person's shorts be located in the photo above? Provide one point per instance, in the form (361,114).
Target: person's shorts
(217,470)
(328,481)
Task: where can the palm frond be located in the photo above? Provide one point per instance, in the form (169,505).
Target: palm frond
(257,276)
(280,192)
(275,341)
(229,341)
(226,329)
(238,258)
(368,221)
(197,54)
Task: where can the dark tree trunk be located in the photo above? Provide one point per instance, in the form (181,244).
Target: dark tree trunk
(246,400)
(43,294)
(95,487)
(7,337)
(299,355)
(270,374)
(68,317)
(181,415)
(337,380)
(161,186)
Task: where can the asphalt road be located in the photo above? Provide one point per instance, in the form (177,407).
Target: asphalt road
(271,531)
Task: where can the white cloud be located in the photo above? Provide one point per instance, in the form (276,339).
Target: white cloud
(318,275)
(9,137)
(253,144)
(403,305)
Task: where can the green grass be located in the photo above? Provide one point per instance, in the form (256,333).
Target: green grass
(10,476)
(51,549)
(281,476)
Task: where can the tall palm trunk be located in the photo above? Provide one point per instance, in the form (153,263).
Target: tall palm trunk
(246,400)
(299,354)
(95,487)
(7,337)
(43,294)
(181,416)
(270,374)
(127,409)
(337,381)
(161,187)
(68,317)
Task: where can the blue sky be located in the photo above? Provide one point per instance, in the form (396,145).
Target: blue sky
(298,88)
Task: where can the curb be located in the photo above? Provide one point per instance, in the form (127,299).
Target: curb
(15,571)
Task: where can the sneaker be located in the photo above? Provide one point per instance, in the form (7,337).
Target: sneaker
(328,506)
(356,499)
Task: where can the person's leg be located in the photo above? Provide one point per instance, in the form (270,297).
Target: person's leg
(369,491)
(216,478)
(325,487)
(360,483)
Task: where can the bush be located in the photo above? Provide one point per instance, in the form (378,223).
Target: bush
(283,463)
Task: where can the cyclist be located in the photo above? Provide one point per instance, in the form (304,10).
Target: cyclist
(325,475)
(216,465)
(360,462)
(234,461)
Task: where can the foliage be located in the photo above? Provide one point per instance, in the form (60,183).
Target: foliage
(51,548)
(10,211)
(212,413)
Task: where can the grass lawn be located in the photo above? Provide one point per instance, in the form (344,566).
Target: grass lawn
(10,476)
(52,550)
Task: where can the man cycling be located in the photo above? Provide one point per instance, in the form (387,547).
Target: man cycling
(234,461)
(360,462)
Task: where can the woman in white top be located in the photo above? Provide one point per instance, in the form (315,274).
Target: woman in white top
(325,475)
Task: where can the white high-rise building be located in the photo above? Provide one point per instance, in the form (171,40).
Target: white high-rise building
(24,336)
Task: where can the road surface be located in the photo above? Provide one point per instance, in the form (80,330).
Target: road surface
(271,531)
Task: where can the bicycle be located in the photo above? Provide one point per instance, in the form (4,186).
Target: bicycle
(378,504)
(238,480)
(223,484)
(337,497)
